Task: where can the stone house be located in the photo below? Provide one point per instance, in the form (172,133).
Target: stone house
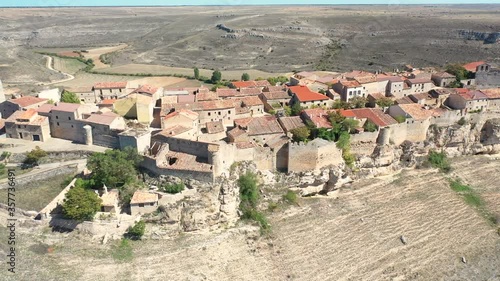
(260,129)
(275,100)
(493,98)
(443,79)
(290,123)
(104,128)
(111,90)
(110,201)
(472,66)
(302,78)
(27,125)
(468,100)
(138,138)
(143,202)
(65,121)
(150,91)
(424,99)
(420,85)
(208,111)
(376,116)
(249,84)
(349,89)
(418,120)
(179,132)
(237,135)
(85,94)
(213,131)
(23,103)
(183,117)
(307,98)
(395,86)
(441,95)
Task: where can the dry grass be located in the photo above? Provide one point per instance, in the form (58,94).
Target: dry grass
(70,66)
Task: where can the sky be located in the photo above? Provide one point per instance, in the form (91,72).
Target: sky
(56,3)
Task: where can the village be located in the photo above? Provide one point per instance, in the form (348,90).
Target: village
(312,121)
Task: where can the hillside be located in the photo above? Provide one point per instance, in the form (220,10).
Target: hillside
(353,237)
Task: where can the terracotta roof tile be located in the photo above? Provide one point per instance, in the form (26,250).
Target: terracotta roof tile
(243,84)
(259,125)
(143,197)
(215,127)
(473,65)
(278,95)
(416,111)
(443,75)
(492,93)
(101,119)
(318,116)
(173,131)
(236,132)
(184,112)
(250,91)
(304,94)
(146,89)
(377,116)
(66,107)
(27,101)
(290,123)
(274,88)
(350,84)
(203,96)
(226,92)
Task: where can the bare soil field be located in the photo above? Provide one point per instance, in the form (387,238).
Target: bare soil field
(271,39)
(355,236)
(65,65)
(83,79)
(95,54)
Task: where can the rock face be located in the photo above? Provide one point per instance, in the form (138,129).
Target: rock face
(490,134)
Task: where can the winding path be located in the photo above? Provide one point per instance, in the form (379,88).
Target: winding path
(49,66)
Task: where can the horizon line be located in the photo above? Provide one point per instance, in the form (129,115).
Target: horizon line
(243,5)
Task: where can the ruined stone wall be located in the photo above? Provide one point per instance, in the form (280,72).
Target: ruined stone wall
(363,149)
(150,164)
(264,158)
(197,148)
(447,118)
(398,133)
(370,137)
(417,130)
(313,156)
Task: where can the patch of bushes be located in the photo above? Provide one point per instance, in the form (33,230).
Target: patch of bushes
(291,197)
(461,122)
(33,157)
(137,231)
(249,196)
(123,251)
(439,160)
(400,119)
(173,188)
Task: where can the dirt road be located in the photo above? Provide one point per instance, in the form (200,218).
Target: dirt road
(49,66)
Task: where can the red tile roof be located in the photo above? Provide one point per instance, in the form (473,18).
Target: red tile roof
(416,111)
(473,95)
(348,113)
(377,116)
(102,119)
(27,101)
(250,91)
(173,131)
(26,115)
(473,65)
(303,94)
(143,197)
(260,125)
(45,108)
(108,101)
(227,92)
(183,112)
(215,127)
(249,101)
(146,89)
(243,84)
(110,85)
(206,95)
(350,83)
(274,88)
(318,116)
(262,83)
(393,79)
(492,93)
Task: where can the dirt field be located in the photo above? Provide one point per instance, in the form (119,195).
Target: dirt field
(161,70)
(94,54)
(87,79)
(70,66)
(353,237)
(270,39)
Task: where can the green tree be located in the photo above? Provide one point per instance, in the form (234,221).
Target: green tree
(339,104)
(196,73)
(369,126)
(458,70)
(249,191)
(344,141)
(69,97)
(33,157)
(301,134)
(295,109)
(137,231)
(245,77)
(81,204)
(349,125)
(439,160)
(358,102)
(115,168)
(326,134)
(173,188)
(288,110)
(216,77)
(385,102)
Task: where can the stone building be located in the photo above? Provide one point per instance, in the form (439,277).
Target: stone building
(443,79)
(104,128)
(110,90)
(487,76)
(349,89)
(65,119)
(275,100)
(395,86)
(468,100)
(183,117)
(52,94)
(307,98)
(143,202)
(260,129)
(416,125)
(493,98)
(27,125)
(420,85)
(23,103)
(136,106)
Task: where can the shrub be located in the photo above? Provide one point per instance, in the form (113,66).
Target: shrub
(216,77)
(369,126)
(33,157)
(457,186)
(461,122)
(384,102)
(173,188)
(400,119)
(301,134)
(245,77)
(137,231)
(81,204)
(290,197)
(349,158)
(249,192)
(439,160)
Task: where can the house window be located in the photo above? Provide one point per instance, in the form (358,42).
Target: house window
(19,126)
(71,126)
(141,204)
(57,123)
(57,117)
(209,114)
(69,118)
(25,126)
(151,204)
(219,112)
(229,112)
